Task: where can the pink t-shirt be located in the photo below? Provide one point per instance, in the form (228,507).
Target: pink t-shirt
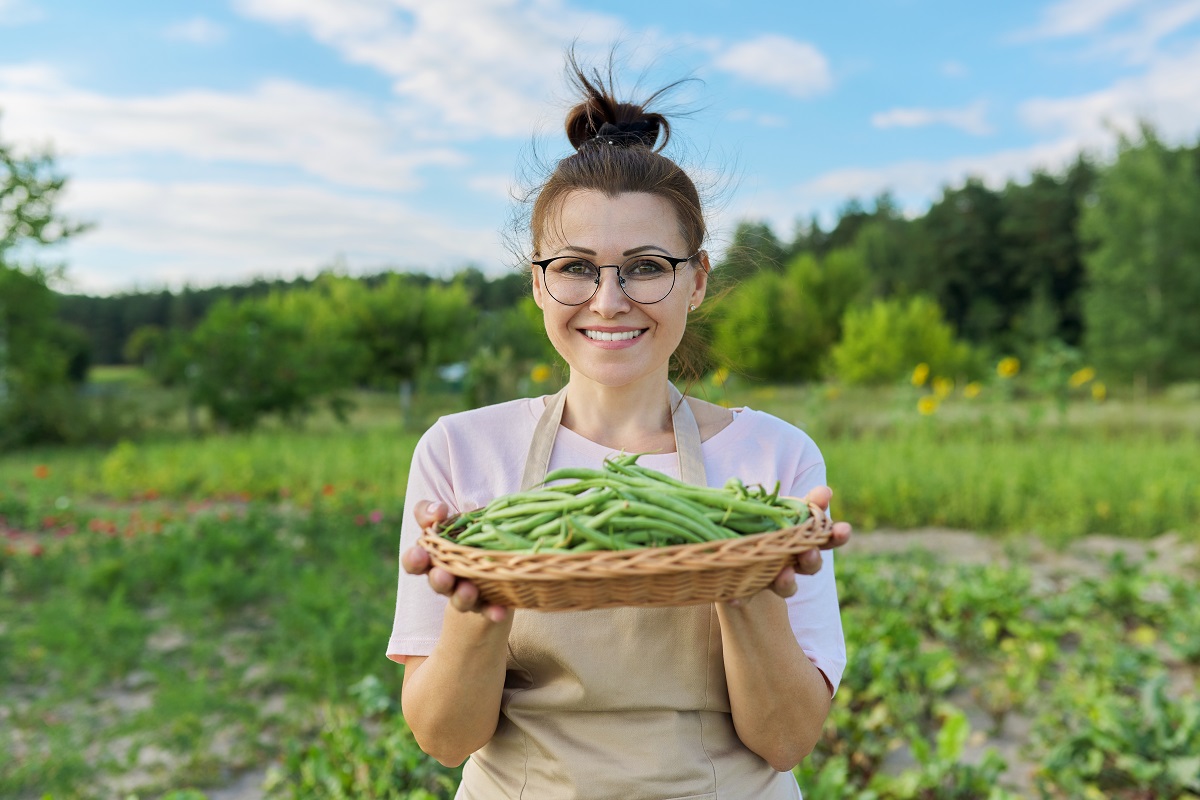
(465,460)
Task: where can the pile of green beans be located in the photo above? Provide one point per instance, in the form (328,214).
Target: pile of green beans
(620,507)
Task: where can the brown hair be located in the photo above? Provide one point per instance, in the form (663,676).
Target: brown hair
(617,150)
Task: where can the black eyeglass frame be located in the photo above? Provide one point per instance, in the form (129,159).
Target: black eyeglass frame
(672,260)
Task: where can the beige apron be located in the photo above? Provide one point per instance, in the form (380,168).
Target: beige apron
(626,703)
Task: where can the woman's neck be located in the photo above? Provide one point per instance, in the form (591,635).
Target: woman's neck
(635,418)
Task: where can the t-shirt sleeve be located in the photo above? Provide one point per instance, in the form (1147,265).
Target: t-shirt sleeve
(813,610)
(419,610)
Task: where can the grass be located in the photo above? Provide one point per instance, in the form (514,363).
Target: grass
(177,610)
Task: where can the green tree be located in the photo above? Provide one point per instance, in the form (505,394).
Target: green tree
(263,356)
(966,270)
(781,326)
(40,358)
(883,342)
(754,247)
(1143,264)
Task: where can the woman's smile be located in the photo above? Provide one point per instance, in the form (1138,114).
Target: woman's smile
(613,338)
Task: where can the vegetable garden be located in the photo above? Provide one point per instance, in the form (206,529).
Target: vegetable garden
(193,619)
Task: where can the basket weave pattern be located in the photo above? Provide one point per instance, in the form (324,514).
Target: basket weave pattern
(678,575)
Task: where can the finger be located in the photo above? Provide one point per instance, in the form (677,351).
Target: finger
(784,584)
(428,513)
(442,581)
(416,561)
(820,496)
(465,596)
(809,562)
(497,613)
(838,535)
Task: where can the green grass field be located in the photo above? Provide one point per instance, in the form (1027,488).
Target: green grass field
(179,612)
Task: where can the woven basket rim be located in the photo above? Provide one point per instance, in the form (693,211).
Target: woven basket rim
(671,559)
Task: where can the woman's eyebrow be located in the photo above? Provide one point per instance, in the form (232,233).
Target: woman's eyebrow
(633,251)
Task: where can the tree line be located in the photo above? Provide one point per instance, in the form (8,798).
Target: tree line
(1099,261)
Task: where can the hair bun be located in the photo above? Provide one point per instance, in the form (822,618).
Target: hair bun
(642,131)
(601,118)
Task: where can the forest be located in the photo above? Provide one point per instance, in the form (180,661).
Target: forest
(1097,265)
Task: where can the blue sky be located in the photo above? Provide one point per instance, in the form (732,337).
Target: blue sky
(213,142)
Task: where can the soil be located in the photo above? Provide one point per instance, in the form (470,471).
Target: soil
(1051,567)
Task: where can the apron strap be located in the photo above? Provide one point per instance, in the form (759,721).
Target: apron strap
(687,440)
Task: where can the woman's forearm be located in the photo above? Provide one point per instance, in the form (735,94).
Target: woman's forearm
(778,698)
(451,699)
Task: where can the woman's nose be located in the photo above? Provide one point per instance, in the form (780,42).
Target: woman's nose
(610,298)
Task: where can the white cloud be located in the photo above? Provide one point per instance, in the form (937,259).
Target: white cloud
(1142,42)
(914,183)
(207,233)
(19,12)
(954,69)
(778,62)
(330,135)
(494,185)
(1167,94)
(472,67)
(763,120)
(971,119)
(1076,17)
(197,30)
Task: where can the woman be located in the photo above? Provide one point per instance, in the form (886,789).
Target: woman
(710,701)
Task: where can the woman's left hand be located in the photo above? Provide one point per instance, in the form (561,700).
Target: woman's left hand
(809,562)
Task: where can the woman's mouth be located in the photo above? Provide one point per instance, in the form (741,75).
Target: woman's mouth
(612,336)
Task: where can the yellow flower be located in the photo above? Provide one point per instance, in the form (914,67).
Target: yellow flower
(1143,635)
(920,374)
(942,387)
(972,390)
(1008,367)
(1081,377)
(720,376)
(540,374)
(1099,392)
(927,405)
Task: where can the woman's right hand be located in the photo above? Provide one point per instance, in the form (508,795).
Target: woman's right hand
(463,594)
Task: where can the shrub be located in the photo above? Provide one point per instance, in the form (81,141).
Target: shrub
(881,343)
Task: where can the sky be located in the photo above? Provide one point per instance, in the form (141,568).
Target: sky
(221,141)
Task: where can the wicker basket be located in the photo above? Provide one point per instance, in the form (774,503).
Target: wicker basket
(678,575)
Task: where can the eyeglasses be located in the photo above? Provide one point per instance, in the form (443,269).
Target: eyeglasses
(645,279)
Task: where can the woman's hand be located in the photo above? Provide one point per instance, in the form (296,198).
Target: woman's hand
(809,562)
(463,594)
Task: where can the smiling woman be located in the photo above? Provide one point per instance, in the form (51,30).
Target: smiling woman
(731,694)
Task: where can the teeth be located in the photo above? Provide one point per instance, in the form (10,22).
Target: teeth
(603,336)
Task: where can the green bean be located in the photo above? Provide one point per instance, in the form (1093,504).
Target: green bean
(623,505)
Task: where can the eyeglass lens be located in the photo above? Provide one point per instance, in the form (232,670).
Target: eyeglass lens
(645,279)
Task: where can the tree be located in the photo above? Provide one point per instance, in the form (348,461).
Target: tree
(1142,243)
(754,247)
(264,356)
(966,273)
(781,326)
(883,342)
(1042,257)
(39,356)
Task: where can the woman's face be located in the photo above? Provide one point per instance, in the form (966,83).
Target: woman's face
(608,230)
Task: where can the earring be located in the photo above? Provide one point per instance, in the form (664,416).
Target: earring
(692,307)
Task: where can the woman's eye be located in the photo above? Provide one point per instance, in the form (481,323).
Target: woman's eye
(577,268)
(645,268)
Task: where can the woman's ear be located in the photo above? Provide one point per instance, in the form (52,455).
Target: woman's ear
(700,276)
(538,291)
